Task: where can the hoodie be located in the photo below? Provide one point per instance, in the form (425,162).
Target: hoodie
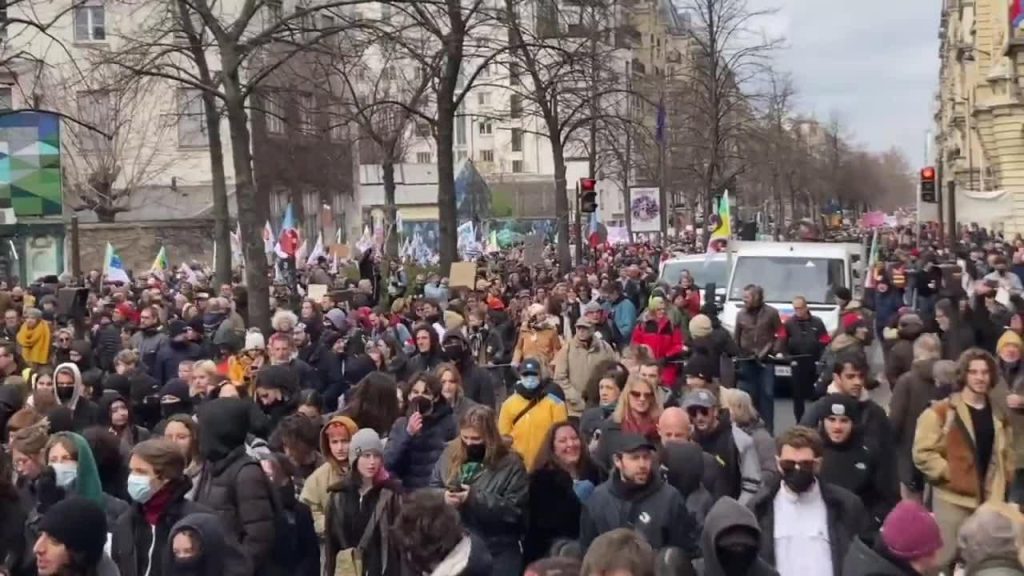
(315,490)
(683,466)
(84,411)
(729,515)
(88,485)
(477,383)
(218,556)
(131,434)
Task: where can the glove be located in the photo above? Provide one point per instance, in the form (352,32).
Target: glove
(47,491)
(583,489)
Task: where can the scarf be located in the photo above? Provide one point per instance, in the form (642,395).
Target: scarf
(155,507)
(35,342)
(642,426)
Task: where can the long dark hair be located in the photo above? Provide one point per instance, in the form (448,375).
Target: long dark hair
(374,402)
(546,459)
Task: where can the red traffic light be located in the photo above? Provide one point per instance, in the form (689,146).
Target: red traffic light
(587,184)
(928,173)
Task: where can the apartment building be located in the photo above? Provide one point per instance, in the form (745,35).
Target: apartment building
(979,113)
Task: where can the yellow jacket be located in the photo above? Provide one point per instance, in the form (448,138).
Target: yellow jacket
(944,453)
(529,431)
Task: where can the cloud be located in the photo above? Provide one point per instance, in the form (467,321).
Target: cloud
(873,63)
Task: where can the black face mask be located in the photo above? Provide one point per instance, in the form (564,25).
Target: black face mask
(65,393)
(475,452)
(453,352)
(168,409)
(798,479)
(422,404)
(736,559)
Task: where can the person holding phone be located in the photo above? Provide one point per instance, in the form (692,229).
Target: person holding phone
(487,483)
(417,440)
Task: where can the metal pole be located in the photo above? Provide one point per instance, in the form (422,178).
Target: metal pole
(76,253)
(952,214)
(576,227)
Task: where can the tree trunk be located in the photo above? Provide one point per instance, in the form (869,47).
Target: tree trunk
(390,210)
(252,207)
(221,231)
(561,201)
(446,208)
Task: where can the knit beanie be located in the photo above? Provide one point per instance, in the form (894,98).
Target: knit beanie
(700,326)
(79,524)
(1009,338)
(254,341)
(910,532)
(365,440)
(338,319)
(841,405)
(176,328)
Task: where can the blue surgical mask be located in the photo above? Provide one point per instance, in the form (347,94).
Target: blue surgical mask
(66,473)
(530,382)
(140,488)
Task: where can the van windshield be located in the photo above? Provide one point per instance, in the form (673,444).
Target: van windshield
(703,272)
(785,277)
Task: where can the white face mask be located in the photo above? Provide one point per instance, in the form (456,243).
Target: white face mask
(66,473)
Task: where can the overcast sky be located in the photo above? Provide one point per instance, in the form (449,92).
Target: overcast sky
(873,62)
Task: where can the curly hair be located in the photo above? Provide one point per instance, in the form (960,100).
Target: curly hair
(963,364)
(426,530)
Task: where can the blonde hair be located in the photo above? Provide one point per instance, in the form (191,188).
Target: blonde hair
(207,366)
(622,406)
(740,406)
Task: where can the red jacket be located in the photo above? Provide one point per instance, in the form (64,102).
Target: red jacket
(664,341)
(692,303)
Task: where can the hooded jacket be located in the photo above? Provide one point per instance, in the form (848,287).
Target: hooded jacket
(138,547)
(863,470)
(728,514)
(721,443)
(131,434)
(665,342)
(477,383)
(541,342)
(84,412)
(315,490)
(655,510)
(218,555)
(232,483)
(412,458)
(683,466)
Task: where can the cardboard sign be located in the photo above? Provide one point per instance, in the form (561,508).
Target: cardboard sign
(316,292)
(533,250)
(342,251)
(462,275)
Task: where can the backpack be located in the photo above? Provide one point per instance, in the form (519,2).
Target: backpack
(286,534)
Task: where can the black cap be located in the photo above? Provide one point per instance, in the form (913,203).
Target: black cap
(530,366)
(700,367)
(629,442)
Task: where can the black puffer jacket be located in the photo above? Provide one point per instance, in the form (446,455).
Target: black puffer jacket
(477,383)
(218,555)
(169,356)
(232,483)
(412,458)
(137,546)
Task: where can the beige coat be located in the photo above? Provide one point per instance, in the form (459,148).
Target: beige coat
(574,365)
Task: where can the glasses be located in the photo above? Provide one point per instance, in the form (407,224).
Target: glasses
(638,394)
(63,339)
(789,465)
(694,411)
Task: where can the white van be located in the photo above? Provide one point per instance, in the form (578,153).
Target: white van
(786,270)
(704,268)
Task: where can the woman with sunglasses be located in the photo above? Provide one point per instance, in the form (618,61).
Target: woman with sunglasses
(638,409)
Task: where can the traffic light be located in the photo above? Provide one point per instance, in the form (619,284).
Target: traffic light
(928,184)
(588,195)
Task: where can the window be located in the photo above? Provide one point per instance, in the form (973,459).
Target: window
(90,25)
(423,129)
(517,140)
(517,166)
(304,103)
(389,73)
(6,98)
(273,111)
(486,128)
(461,155)
(191,118)
(423,157)
(784,277)
(515,106)
(487,155)
(483,98)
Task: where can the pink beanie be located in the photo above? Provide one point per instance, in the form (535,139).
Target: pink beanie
(910,532)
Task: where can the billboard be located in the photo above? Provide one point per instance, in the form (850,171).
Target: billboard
(645,209)
(30,172)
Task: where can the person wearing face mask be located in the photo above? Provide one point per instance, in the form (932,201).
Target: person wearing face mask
(730,541)
(527,415)
(487,483)
(635,496)
(417,440)
(477,383)
(807,526)
(200,546)
(157,486)
(71,472)
(71,394)
(962,446)
(575,364)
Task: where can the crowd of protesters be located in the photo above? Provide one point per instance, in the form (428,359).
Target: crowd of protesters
(601,423)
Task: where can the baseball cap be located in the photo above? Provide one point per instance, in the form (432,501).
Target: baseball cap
(701,398)
(584,322)
(629,442)
(591,307)
(530,366)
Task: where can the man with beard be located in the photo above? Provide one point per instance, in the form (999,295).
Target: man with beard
(807,526)
(150,338)
(635,496)
(282,353)
(758,328)
(477,383)
(732,447)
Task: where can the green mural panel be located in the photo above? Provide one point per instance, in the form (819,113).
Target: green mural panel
(30,176)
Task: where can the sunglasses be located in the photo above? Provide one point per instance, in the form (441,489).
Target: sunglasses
(638,395)
(698,411)
(789,465)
